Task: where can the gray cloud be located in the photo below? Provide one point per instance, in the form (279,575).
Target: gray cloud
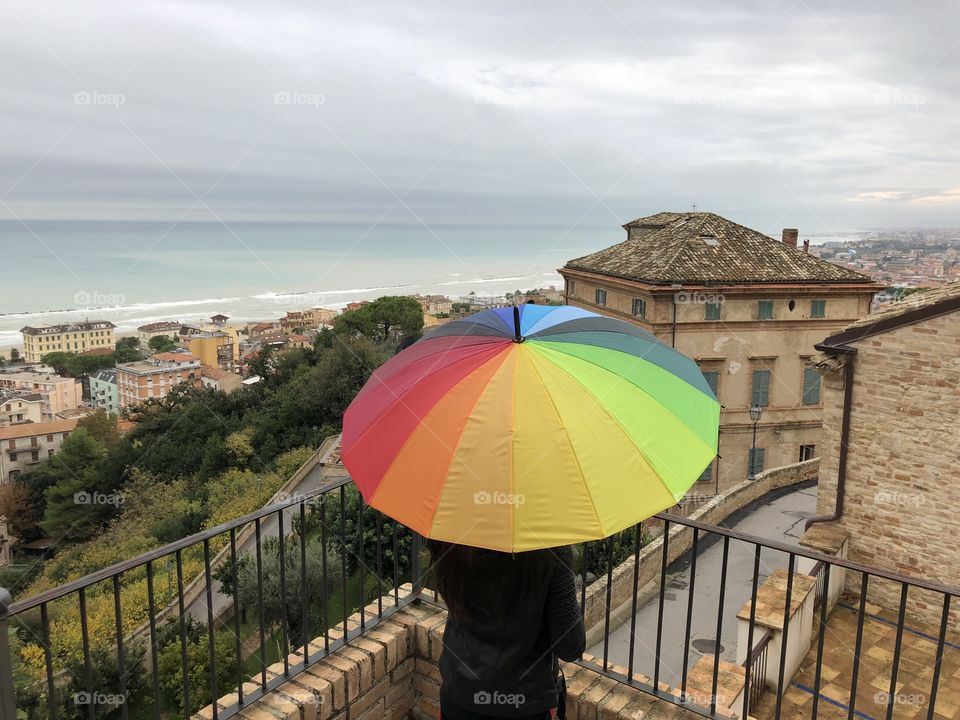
(816,114)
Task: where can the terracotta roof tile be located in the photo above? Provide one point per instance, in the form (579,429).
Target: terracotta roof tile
(701,247)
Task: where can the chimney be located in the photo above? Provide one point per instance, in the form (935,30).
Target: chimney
(790,236)
(806,246)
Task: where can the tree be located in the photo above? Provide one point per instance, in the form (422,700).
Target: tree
(161,344)
(314,593)
(76,504)
(14,355)
(392,317)
(170,665)
(364,550)
(19,506)
(102,427)
(128,350)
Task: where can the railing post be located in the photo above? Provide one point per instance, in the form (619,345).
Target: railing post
(8,704)
(416,548)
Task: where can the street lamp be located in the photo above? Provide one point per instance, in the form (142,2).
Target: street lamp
(756,412)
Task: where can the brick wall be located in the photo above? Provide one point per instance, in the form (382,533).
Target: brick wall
(391,671)
(903,463)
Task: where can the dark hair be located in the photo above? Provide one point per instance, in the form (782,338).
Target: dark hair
(454,567)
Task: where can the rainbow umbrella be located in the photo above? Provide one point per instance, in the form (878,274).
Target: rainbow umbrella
(530,427)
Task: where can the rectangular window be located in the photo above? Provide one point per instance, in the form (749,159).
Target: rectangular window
(713,380)
(571,287)
(808,452)
(601,296)
(765,310)
(755,460)
(818,308)
(760,391)
(811,387)
(711,311)
(639,308)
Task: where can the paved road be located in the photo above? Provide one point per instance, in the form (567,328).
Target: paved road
(778,518)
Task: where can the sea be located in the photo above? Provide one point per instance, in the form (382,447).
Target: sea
(133,273)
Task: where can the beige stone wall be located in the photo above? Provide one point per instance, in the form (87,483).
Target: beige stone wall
(735,346)
(903,464)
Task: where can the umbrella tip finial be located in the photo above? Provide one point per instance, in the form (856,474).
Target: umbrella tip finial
(516,325)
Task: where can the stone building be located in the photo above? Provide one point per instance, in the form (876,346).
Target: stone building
(891,418)
(749,309)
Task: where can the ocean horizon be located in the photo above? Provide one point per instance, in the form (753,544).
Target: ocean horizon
(133,273)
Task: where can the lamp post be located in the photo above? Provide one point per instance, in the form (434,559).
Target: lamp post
(756,412)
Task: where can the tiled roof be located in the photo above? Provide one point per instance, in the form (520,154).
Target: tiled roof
(158,326)
(916,301)
(41,428)
(213,373)
(701,247)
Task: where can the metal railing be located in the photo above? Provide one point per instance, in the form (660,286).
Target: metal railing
(257,544)
(667,678)
(757,663)
(677,612)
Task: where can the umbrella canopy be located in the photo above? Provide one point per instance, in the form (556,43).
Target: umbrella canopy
(531,427)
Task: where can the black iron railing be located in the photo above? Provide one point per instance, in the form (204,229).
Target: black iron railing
(663,667)
(693,584)
(359,555)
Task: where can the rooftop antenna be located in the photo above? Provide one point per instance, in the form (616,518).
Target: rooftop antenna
(694,206)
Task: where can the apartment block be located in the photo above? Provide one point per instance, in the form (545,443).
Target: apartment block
(153,378)
(38,340)
(20,407)
(22,446)
(103,391)
(59,395)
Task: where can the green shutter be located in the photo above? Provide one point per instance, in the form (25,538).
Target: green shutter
(711,311)
(818,308)
(760,394)
(765,310)
(811,387)
(713,378)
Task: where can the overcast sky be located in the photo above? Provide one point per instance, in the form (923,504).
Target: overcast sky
(821,115)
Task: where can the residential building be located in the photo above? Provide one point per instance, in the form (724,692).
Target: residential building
(217,379)
(890,463)
(219,320)
(59,394)
(22,446)
(154,377)
(38,340)
(434,304)
(747,308)
(145,333)
(216,349)
(20,407)
(103,391)
(306,319)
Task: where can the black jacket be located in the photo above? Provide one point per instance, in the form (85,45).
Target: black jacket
(500,660)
